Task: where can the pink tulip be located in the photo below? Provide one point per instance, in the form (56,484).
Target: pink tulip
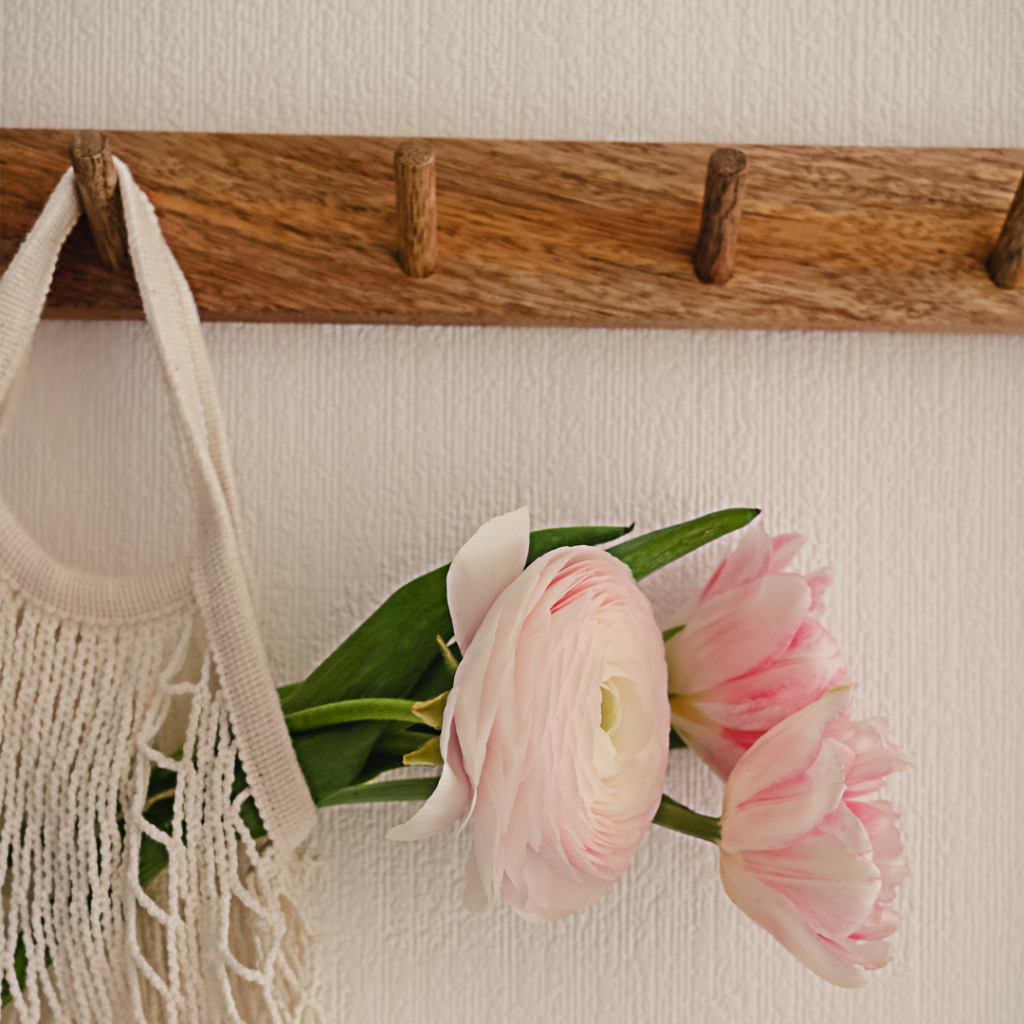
(807,849)
(752,651)
(555,733)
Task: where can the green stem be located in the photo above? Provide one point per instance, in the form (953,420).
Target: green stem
(674,815)
(364,709)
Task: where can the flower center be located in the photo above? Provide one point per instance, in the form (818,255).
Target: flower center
(608,742)
(609,706)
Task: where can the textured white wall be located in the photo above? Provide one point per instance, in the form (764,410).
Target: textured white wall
(366,455)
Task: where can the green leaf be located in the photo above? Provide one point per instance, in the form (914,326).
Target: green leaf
(332,759)
(392,654)
(153,855)
(654,551)
(20,970)
(389,751)
(393,789)
(433,682)
(396,745)
(385,655)
(152,860)
(543,541)
(285,691)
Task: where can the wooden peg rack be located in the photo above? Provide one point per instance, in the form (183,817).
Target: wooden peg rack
(291,228)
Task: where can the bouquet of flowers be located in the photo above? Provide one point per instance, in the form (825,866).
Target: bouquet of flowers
(532,671)
(553,709)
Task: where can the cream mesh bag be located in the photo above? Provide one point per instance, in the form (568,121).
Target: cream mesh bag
(120,696)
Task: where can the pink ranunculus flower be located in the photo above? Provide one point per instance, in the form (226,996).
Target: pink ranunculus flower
(808,849)
(555,733)
(752,651)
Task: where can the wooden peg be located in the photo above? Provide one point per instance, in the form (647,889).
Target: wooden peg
(1004,261)
(415,193)
(96,182)
(720,218)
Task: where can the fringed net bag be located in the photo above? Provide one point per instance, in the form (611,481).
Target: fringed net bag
(139,727)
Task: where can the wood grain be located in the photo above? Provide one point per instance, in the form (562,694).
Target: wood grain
(715,256)
(100,196)
(1004,262)
(416,207)
(302,229)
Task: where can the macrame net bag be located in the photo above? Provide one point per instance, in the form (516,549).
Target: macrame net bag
(139,727)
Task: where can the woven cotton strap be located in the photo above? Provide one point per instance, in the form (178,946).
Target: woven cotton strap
(221,578)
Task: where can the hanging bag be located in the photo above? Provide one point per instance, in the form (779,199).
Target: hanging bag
(123,696)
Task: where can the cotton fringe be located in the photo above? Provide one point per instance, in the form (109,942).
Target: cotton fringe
(99,721)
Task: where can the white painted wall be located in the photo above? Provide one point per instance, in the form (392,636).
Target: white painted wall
(367,454)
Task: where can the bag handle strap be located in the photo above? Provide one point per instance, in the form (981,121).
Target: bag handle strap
(25,285)
(220,573)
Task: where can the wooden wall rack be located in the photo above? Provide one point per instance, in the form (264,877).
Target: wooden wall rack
(292,228)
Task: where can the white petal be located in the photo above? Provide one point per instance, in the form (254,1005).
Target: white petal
(449,802)
(485,565)
(476,697)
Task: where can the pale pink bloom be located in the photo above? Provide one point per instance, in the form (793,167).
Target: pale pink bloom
(808,850)
(555,734)
(752,651)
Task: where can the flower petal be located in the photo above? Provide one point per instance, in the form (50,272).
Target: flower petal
(827,875)
(787,781)
(486,564)
(879,818)
(776,914)
(449,802)
(557,722)
(872,756)
(748,561)
(761,698)
(734,632)
(784,549)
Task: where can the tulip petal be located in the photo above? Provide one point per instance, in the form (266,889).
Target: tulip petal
(873,756)
(734,632)
(777,915)
(787,781)
(879,924)
(784,550)
(879,818)
(827,875)
(485,565)
(723,721)
(762,697)
(719,749)
(751,652)
(819,582)
(774,817)
(870,955)
(748,561)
